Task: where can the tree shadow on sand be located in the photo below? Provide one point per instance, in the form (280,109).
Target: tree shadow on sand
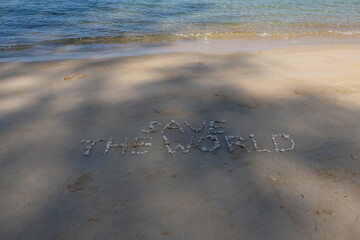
(51,191)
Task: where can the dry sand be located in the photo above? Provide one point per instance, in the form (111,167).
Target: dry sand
(50,190)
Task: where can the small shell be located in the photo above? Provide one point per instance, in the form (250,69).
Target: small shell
(204,149)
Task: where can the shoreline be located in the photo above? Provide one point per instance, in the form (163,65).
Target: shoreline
(95,51)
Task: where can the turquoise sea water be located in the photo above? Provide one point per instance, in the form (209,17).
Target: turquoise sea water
(46,24)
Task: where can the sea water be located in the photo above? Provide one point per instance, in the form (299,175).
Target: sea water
(45,25)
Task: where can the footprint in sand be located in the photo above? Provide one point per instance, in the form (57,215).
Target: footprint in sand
(75,76)
(80,183)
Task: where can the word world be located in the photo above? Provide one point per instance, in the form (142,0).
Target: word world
(214,131)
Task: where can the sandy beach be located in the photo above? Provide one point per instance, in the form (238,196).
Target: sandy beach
(50,189)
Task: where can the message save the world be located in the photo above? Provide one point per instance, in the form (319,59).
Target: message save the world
(214,131)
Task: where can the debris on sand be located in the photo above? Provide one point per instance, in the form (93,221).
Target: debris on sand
(299,91)
(324,211)
(75,76)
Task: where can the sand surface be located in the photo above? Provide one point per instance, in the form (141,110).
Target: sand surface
(50,190)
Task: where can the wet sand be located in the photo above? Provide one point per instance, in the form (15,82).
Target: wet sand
(50,190)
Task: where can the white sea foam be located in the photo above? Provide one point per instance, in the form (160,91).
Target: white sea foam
(265,34)
(348,32)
